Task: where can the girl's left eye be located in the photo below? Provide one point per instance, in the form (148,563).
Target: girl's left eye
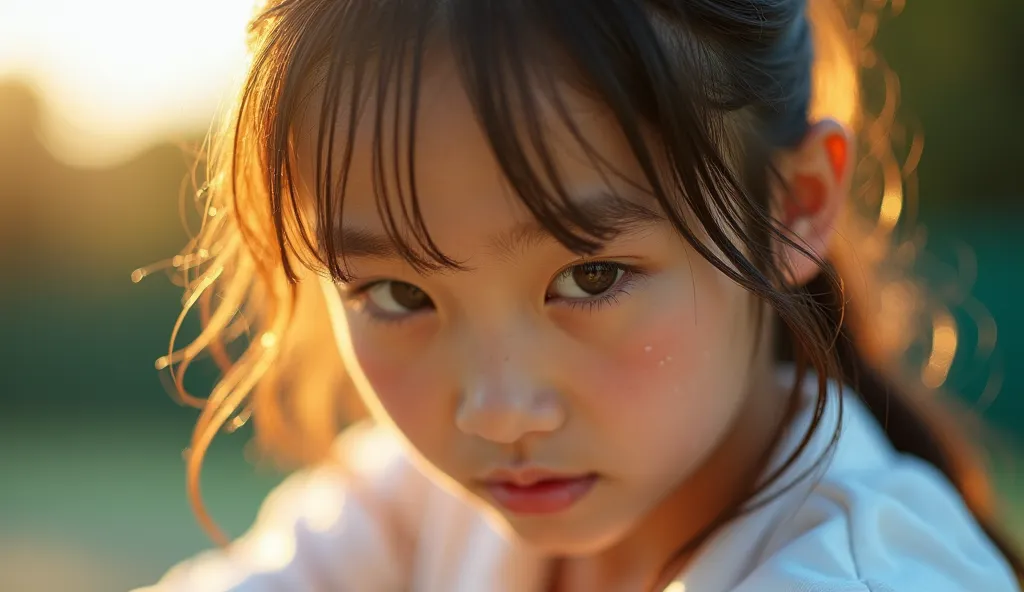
(590,282)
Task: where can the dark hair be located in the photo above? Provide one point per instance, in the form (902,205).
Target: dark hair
(725,83)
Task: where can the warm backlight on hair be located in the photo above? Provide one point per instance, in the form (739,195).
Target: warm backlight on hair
(944,340)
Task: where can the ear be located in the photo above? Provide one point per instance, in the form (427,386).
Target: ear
(816,178)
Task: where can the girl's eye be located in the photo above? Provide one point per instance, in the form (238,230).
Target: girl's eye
(390,298)
(587,281)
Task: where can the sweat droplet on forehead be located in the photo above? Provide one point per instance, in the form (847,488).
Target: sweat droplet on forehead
(647,349)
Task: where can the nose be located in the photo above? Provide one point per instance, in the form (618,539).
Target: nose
(505,400)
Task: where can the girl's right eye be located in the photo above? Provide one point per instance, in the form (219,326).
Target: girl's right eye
(391,299)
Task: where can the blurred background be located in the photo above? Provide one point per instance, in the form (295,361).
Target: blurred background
(102,106)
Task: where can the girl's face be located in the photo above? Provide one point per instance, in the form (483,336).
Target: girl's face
(611,379)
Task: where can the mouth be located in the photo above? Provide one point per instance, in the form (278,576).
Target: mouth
(535,494)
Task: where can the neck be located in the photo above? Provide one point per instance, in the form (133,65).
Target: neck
(721,484)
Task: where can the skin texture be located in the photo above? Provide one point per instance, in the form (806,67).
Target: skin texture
(658,390)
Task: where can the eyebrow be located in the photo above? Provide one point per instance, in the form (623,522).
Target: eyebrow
(605,209)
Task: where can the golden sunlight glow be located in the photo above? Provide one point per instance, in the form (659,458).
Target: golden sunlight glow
(271,551)
(892,207)
(944,344)
(324,502)
(268,340)
(676,587)
(117,75)
(370,451)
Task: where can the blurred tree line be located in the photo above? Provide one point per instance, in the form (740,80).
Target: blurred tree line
(961,69)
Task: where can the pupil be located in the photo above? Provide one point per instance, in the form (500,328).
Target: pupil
(408,295)
(594,278)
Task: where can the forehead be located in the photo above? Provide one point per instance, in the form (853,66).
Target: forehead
(447,163)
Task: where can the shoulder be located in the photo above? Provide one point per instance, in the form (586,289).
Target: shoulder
(864,519)
(878,521)
(367,483)
(901,529)
(349,523)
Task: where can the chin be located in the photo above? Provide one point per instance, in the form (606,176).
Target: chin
(562,535)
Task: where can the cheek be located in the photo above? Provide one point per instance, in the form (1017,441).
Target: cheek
(663,352)
(671,342)
(400,380)
(674,377)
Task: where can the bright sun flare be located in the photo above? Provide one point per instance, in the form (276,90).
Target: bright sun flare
(116,75)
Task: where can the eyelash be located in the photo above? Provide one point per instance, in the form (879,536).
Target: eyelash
(358,296)
(631,275)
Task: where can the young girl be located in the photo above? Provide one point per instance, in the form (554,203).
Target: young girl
(601,275)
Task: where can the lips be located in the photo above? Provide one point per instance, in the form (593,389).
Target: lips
(538,492)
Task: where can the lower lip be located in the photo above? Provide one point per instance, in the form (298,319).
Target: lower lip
(546,497)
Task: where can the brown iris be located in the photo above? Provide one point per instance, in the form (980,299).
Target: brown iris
(408,296)
(595,278)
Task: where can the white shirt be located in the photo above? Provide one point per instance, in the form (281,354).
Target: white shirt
(869,520)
